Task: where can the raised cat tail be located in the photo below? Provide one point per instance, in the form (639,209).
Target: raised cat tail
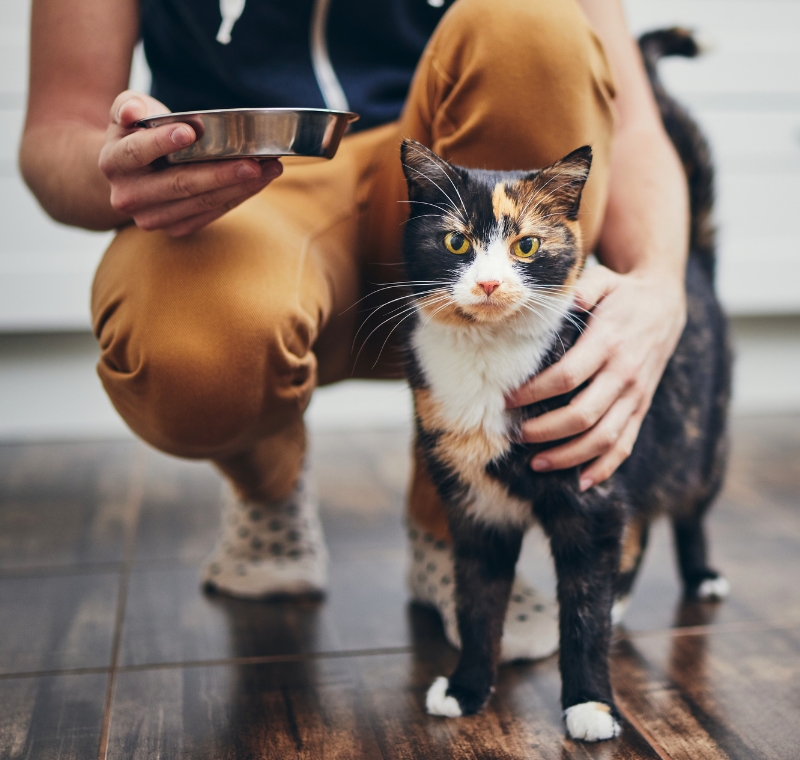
(688,139)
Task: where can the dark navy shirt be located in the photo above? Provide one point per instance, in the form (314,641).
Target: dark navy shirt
(373,47)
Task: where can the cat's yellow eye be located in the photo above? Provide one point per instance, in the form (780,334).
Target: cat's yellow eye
(525,247)
(456,243)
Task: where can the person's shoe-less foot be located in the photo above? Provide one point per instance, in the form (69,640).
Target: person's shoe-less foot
(269,549)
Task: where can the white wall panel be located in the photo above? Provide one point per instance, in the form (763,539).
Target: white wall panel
(10,132)
(759,244)
(28,231)
(745,92)
(13,57)
(757,140)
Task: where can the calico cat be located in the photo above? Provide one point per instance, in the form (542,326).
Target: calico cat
(491,257)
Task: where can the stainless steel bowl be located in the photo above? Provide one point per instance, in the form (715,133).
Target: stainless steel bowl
(257,132)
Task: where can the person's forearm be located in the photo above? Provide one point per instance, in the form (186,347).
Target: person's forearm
(647,220)
(59,164)
(646,226)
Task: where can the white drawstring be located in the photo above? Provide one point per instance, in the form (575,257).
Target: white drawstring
(329,85)
(230,11)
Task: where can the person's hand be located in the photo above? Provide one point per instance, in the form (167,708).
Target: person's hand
(635,325)
(177,199)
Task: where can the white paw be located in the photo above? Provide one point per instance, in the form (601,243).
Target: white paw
(438,703)
(619,609)
(714,588)
(591,722)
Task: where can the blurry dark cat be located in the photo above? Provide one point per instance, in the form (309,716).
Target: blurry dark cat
(490,256)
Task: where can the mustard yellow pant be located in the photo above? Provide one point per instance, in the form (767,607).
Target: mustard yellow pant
(212,344)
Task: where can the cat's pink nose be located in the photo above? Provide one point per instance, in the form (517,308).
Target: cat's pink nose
(489,286)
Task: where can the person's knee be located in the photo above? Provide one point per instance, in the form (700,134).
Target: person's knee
(513,32)
(521,51)
(210,392)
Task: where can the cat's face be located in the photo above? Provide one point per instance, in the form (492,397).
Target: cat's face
(484,247)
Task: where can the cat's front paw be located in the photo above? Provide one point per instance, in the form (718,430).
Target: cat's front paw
(591,722)
(453,701)
(438,702)
(706,585)
(713,589)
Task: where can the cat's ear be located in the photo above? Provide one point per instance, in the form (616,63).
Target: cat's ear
(424,170)
(567,178)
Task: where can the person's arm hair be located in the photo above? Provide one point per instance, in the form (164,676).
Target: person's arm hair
(79,62)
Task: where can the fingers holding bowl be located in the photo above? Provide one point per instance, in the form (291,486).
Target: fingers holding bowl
(171,214)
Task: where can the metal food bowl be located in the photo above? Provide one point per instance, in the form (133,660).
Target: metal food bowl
(257,132)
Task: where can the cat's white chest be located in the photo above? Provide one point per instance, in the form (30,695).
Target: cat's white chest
(469,371)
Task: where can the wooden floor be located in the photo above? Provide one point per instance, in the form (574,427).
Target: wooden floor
(109,649)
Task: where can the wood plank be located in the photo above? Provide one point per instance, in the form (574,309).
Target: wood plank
(57,622)
(522,720)
(289,710)
(180,514)
(169,619)
(51,718)
(715,695)
(63,505)
(363,707)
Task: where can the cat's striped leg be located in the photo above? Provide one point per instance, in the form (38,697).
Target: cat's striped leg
(485,559)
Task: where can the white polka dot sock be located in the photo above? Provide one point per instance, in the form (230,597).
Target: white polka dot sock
(269,549)
(530,631)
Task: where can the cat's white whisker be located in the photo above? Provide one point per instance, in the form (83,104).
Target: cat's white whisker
(442,169)
(390,286)
(403,306)
(409,308)
(449,302)
(423,216)
(445,211)
(408,296)
(436,185)
(446,195)
(548,322)
(574,306)
(386,340)
(581,326)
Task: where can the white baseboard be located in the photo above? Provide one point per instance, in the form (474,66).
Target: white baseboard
(49,388)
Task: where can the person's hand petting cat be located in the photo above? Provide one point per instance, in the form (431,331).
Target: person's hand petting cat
(623,357)
(639,308)
(179,199)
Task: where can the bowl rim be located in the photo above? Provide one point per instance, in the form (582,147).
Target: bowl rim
(351,116)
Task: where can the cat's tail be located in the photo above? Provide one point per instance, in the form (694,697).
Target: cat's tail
(689,141)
